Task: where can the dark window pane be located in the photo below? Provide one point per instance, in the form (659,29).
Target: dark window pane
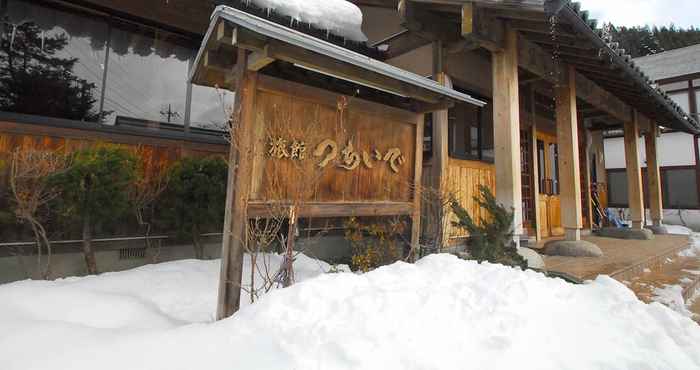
(465,130)
(680,188)
(147,75)
(428,138)
(617,188)
(487,153)
(542,172)
(51,62)
(554,167)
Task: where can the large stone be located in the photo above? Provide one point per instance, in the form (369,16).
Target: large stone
(569,248)
(534,260)
(626,233)
(658,230)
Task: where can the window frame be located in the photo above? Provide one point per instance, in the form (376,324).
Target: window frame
(110,20)
(452,153)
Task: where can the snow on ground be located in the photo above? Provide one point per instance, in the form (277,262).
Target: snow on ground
(440,313)
(679,230)
(694,248)
(672,296)
(339,17)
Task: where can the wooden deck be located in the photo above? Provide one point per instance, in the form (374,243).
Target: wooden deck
(622,259)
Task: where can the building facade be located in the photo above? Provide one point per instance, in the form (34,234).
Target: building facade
(677,72)
(552,82)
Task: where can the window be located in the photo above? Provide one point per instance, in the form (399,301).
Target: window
(541,171)
(470,133)
(679,188)
(428,138)
(51,62)
(554,167)
(617,189)
(464,131)
(146,75)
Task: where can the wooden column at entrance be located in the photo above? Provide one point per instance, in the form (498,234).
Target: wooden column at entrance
(506,126)
(440,143)
(634,172)
(535,167)
(568,143)
(653,175)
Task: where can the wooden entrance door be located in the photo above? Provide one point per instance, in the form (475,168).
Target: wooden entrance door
(549,199)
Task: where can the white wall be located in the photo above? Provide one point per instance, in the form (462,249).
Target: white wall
(674,149)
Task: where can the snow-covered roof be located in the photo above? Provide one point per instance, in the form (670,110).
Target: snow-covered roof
(338,17)
(323,50)
(672,63)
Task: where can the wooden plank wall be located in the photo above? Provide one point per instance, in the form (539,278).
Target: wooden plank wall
(154,152)
(295,112)
(464,178)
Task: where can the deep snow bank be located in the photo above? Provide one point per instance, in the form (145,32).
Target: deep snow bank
(441,313)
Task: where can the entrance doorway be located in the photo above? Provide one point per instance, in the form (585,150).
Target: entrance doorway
(549,198)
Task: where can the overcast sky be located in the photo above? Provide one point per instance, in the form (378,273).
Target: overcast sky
(682,13)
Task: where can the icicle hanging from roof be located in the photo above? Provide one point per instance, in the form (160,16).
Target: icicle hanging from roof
(338,17)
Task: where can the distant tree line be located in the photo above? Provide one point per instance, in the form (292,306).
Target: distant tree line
(641,41)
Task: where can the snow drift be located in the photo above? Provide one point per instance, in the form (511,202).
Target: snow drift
(440,313)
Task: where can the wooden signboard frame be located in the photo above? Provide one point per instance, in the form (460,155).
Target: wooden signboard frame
(246,150)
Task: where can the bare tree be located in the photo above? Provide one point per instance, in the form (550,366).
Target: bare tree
(29,171)
(435,218)
(151,181)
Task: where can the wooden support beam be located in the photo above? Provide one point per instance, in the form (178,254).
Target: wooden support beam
(481,29)
(569,167)
(506,126)
(535,60)
(237,191)
(634,172)
(535,166)
(280,51)
(586,188)
(334,209)
(259,60)
(417,191)
(653,175)
(440,158)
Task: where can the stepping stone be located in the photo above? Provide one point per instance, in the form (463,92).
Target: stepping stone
(534,260)
(626,233)
(569,248)
(658,230)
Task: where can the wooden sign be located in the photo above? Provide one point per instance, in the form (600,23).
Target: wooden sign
(343,150)
(319,154)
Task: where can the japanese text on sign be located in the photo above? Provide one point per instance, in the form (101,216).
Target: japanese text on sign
(328,151)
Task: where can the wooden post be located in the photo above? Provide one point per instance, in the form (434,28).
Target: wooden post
(535,166)
(653,175)
(238,188)
(568,144)
(417,198)
(634,172)
(440,134)
(440,160)
(506,126)
(586,175)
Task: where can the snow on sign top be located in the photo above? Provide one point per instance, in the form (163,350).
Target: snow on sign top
(338,17)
